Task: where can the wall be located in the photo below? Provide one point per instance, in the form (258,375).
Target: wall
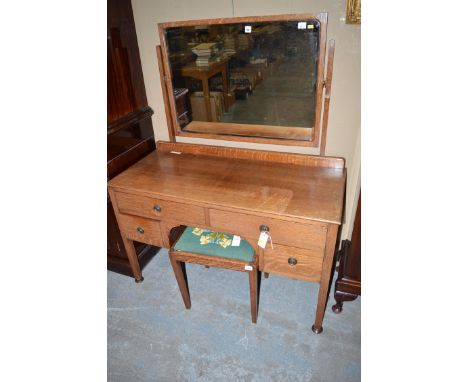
(344,122)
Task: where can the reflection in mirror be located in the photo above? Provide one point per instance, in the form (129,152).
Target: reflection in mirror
(246,79)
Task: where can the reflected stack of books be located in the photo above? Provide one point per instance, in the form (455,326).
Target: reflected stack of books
(229,45)
(206,53)
(244,41)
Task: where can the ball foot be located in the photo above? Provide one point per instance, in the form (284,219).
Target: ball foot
(317,329)
(139,280)
(337,308)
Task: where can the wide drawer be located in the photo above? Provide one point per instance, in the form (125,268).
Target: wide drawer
(159,209)
(282,232)
(140,229)
(298,263)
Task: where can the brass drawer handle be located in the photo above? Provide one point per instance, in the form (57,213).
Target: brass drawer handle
(157,208)
(264,228)
(140,230)
(292,261)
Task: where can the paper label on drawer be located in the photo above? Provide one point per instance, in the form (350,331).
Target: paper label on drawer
(248,268)
(263,239)
(236,241)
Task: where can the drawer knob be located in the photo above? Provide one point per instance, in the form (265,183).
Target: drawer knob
(157,208)
(140,230)
(264,228)
(292,261)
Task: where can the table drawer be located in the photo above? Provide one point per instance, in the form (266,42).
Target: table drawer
(298,263)
(159,209)
(282,232)
(140,229)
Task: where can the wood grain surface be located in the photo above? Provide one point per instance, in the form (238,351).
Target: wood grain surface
(310,235)
(259,155)
(293,192)
(259,131)
(129,226)
(146,207)
(308,267)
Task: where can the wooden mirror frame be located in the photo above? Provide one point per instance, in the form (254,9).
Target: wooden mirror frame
(166,80)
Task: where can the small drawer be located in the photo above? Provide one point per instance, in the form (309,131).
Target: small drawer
(140,229)
(302,264)
(307,235)
(160,209)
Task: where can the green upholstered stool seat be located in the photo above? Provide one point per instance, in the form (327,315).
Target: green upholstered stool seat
(205,242)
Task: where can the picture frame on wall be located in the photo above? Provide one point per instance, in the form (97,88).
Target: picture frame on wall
(353,12)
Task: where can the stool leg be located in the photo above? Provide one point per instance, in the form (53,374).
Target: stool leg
(253,294)
(266,274)
(181,277)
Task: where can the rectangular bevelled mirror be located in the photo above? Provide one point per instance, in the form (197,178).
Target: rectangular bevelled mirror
(252,78)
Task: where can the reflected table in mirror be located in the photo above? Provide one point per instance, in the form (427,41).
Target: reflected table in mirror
(204,73)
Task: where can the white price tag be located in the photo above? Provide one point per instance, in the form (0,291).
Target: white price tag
(248,268)
(236,241)
(263,239)
(248,29)
(302,25)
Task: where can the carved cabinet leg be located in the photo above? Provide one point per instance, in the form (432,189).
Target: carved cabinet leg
(338,307)
(341,297)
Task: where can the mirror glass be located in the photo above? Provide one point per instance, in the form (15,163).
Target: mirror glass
(247,79)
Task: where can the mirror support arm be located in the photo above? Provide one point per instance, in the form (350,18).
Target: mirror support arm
(327,85)
(165,94)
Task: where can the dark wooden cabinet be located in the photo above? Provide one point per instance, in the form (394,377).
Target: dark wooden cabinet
(348,283)
(181,101)
(129,127)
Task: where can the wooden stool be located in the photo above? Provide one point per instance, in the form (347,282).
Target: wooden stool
(215,252)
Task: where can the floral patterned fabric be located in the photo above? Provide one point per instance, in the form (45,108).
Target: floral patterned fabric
(211,243)
(207,237)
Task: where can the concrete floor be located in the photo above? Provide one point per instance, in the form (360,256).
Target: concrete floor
(152,337)
(284,98)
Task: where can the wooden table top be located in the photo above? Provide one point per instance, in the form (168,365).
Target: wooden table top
(289,190)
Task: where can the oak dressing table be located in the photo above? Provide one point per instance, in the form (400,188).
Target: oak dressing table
(298,197)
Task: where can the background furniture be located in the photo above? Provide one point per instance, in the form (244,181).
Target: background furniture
(348,283)
(129,127)
(183,115)
(241,258)
(297,198)
(204,73)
